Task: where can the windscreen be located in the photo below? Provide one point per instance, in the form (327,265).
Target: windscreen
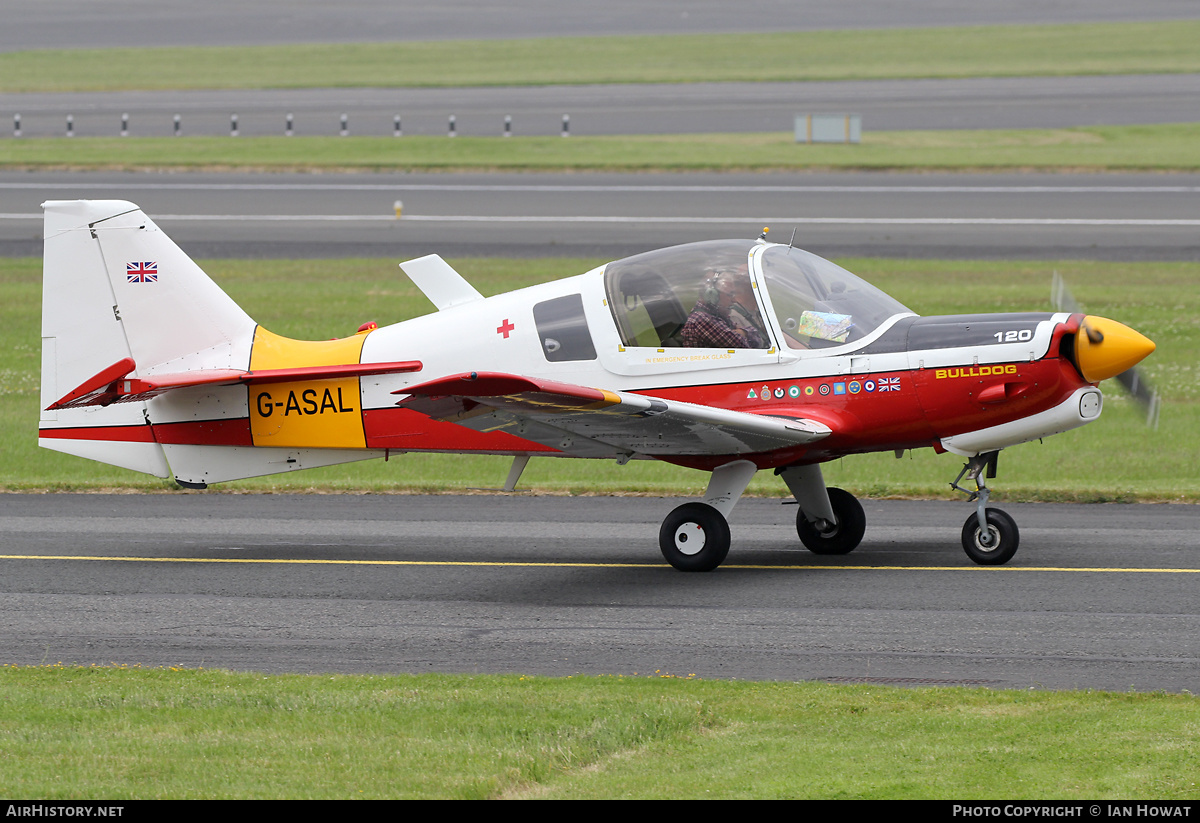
(819,304)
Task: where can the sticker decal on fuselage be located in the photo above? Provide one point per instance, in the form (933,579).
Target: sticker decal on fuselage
(975,371)
(824,386)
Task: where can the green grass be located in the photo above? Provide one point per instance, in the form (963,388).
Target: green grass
(968,51)
(1116,458)
(1167,147)
(119,733)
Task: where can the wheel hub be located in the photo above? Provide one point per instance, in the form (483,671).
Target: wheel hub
(826,528)
(689,538)
(989,540)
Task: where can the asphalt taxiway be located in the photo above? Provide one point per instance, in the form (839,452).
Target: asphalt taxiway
(686,108)
(1098,596)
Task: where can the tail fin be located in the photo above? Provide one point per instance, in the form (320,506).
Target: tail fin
(146,362)
(118,293)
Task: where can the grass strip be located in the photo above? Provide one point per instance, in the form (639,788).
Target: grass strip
(964,51)
(1114,459)
(1165,147)
(122,732)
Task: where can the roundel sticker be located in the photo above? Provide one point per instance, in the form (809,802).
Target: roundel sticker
(855,387)
(824,388)
(869,386)
(779,394)
(808,390)
(793,392)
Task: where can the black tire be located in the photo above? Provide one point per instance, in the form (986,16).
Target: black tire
(1004,533)
(694,538)
(842,538)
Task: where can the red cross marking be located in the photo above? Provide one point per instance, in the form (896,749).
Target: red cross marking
(505,328)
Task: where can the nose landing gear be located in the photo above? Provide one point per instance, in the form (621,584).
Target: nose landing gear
(990,536)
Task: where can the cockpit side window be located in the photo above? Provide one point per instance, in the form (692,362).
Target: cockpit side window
(562,328)
(819,304)
(698,295)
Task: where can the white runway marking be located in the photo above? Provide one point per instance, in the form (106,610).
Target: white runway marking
(646,220)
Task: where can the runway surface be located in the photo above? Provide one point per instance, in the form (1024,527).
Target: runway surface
(134,23)
(997,216)
(1098,596)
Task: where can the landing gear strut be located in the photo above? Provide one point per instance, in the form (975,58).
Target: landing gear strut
(840,537)
(695,536)
(830,521)
(990,536)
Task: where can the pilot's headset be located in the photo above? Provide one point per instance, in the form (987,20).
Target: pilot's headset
(711,294)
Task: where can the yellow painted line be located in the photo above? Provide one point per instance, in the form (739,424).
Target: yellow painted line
(573,565)
(315,562)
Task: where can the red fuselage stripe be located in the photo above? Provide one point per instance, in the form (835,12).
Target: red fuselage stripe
(235,432)
(125,434)
(229,432)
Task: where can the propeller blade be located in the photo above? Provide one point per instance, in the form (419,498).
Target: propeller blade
(1142,392)
(1062,300)
(1060,296)
(1134,382)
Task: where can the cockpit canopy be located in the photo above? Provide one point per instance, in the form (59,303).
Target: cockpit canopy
(711,295)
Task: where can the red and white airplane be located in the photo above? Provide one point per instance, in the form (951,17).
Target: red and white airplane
(730,356)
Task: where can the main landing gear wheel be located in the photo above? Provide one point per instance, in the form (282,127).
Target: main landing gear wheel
(840,539)
(694,538)
(1000,544)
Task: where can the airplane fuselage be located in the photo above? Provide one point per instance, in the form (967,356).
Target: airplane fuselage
(914,383)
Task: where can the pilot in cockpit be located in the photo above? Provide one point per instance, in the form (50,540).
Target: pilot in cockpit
(726,315)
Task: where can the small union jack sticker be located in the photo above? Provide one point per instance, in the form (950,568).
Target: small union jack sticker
(889,384)
(141,272)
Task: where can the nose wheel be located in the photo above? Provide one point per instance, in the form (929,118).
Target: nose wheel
(994,546)
(990,536)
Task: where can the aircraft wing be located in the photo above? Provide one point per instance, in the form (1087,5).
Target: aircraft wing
(114,385)
(587,422)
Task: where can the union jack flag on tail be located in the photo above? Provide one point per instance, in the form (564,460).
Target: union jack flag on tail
(141,272)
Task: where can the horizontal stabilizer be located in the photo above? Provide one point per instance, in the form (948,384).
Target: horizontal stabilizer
(113,385)
(99,390)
